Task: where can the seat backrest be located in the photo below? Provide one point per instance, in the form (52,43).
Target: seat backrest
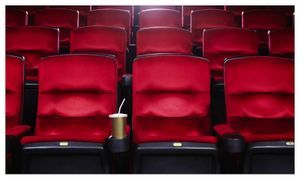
(169,96)
(259,93)
(263,20)
(186,13)
(159,17)
(221,43)
(127,8)
(14,87)
(58,17)
(164,40)
(281,43)
(111,17)
(76,95)
(16,18)
(83,12)
(52,17)
(207,19)
(142,8)
(32,42)
(237,10)
(101,40)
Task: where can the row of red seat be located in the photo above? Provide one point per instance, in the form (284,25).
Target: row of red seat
(34,42)
(170,104)
(134,10)
(201,19)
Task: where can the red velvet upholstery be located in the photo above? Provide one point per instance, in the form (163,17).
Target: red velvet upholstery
(187,10)
(111,17)
(14,96)
(237,10)
(64,19)
(83,12)
(159,17)
(76,95)
(163,40)
(221,43)
(260,105)
(99,40)
(207,19)
(262,21)
(171,103)
(128,8)
(32,42)
(146,7)
(281,43)
(16,18)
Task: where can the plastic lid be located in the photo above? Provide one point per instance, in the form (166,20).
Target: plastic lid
(118,115)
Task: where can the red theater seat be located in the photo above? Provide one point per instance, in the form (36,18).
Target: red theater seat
(111,17)
(16,18)
(30,9)
(186,13)
(260,108)
(221,43)
(13,105)
(159,17)
(142,8)
(127,8)
(262,21)
(281,43)
(32,42)
(83,12)
(163,40)
(64,19)
(207,19)
(171,98)
(237,11)
(76,95)
(101,40)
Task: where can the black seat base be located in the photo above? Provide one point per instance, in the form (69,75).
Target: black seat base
(270,157)
(176,158)
(64,158)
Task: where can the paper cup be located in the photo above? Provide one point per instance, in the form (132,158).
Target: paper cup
(119,122)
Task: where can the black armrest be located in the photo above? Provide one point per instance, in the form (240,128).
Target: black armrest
(232,143)
(127,80)
(230,140)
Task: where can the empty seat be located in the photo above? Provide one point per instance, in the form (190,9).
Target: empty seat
(76,95)
(13,106)
(207,19)
(30,9)
(259,94)
(32,42)
(281,43)
(186,13)
(221,43)
(237,11)
(142,8)
(159,17)
(16,18)
(111,17)
(164,40)
(64,19)
(127,8)
(262,21)
(101,40)
(83,12)
(171,124)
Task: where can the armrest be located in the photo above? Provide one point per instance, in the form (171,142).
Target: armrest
(18,131)
(231,141)
(127,80)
